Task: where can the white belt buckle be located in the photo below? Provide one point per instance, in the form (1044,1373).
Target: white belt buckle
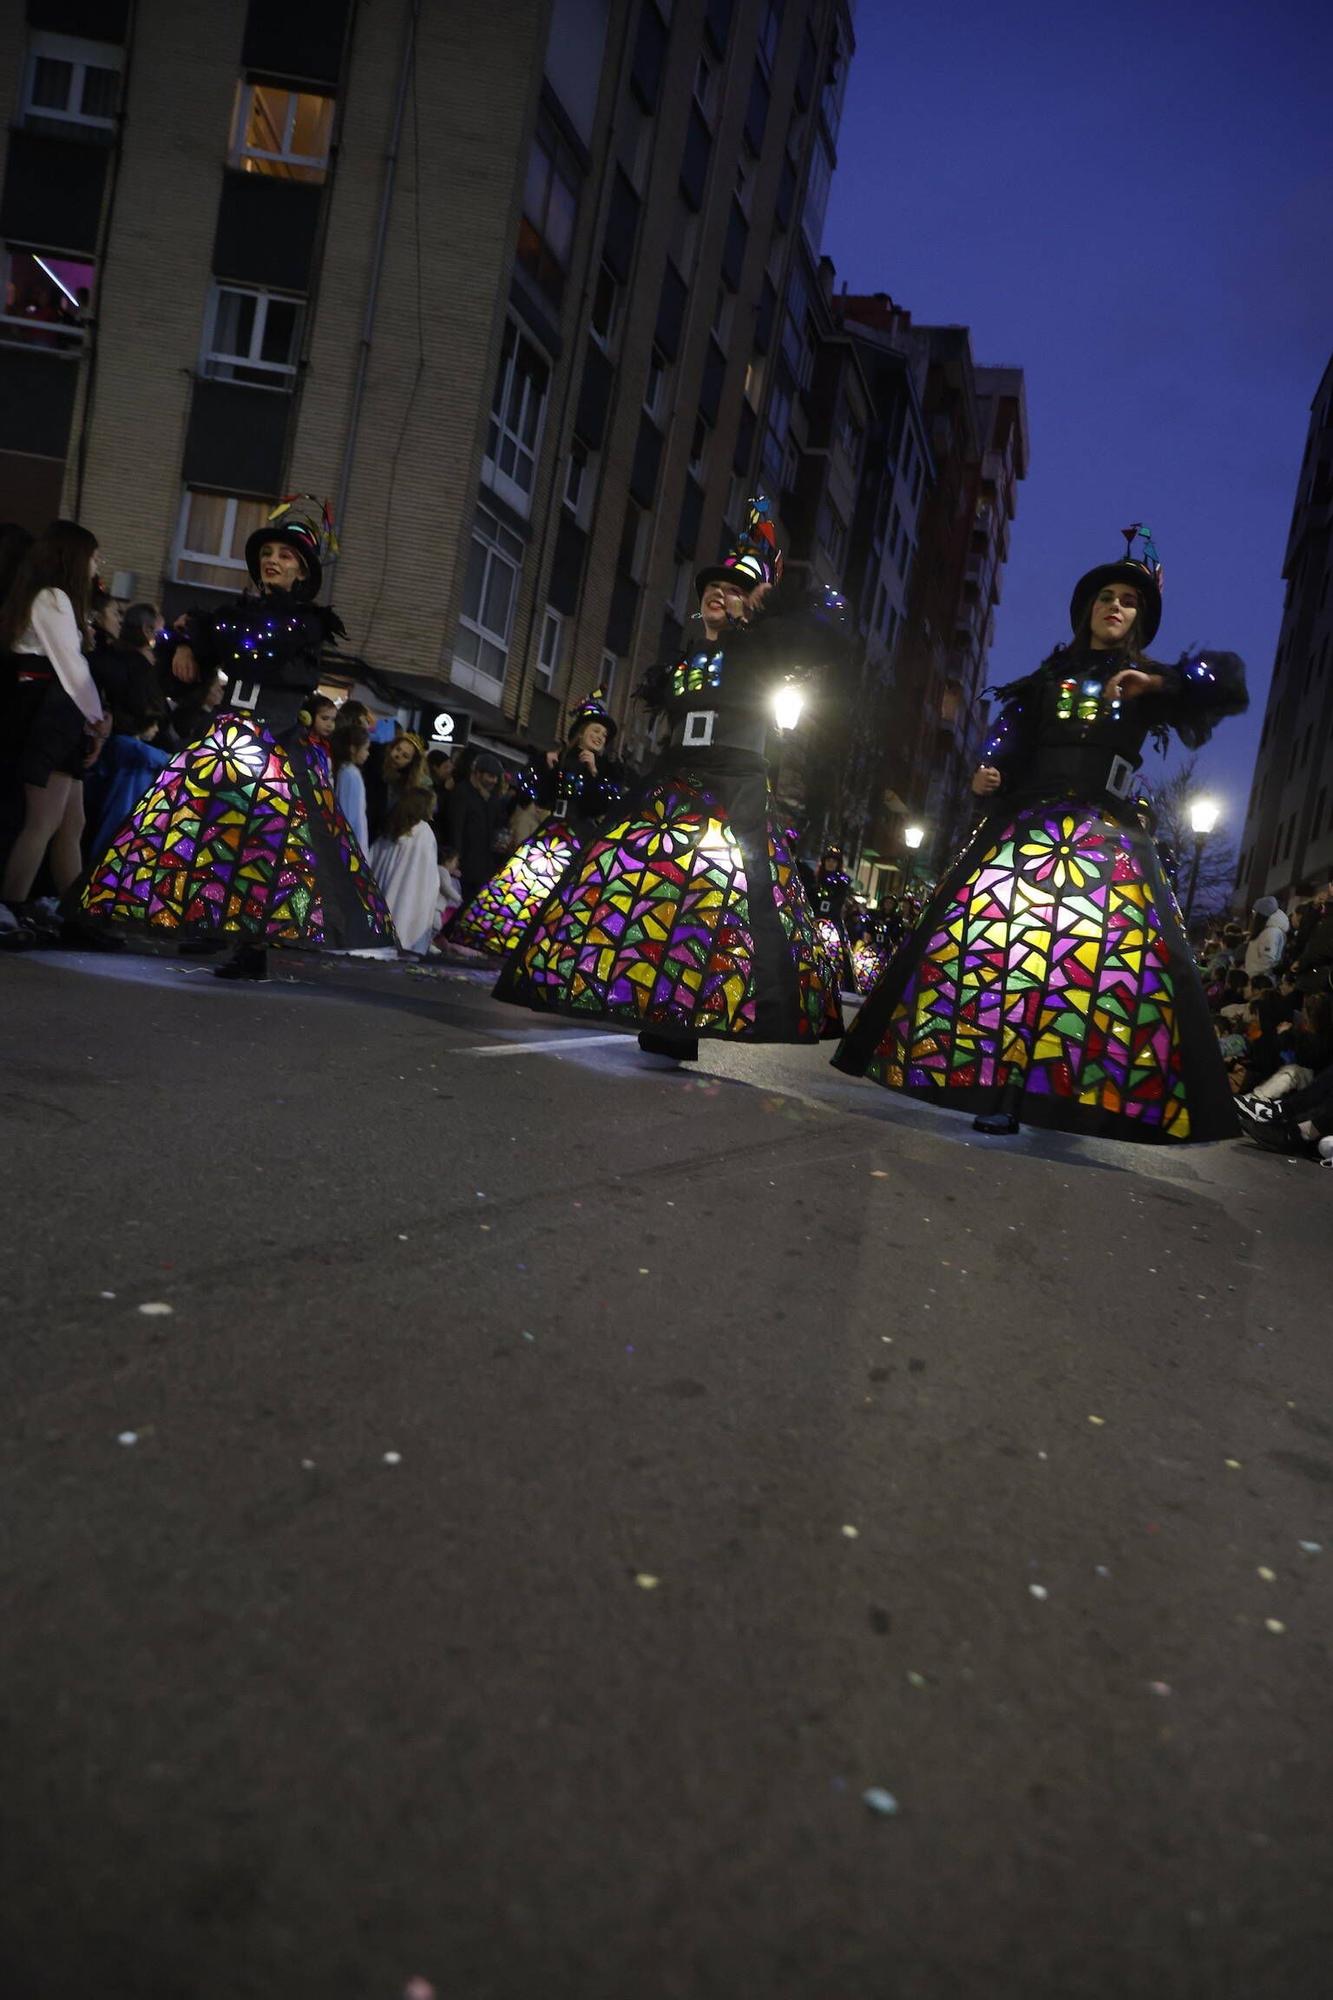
(1120,777)
(560,810)
(244,697)
(698,732)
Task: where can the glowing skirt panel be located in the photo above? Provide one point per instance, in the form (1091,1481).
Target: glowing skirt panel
(242,837)
(868,963)
(496,918)
(1052,951)
(688,913)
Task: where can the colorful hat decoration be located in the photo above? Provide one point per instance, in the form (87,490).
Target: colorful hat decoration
(1143,571)
(755,557)
(592,709)
(306,529)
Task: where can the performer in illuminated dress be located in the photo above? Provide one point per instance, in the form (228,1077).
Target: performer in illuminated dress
(1049,975)
(686,916)
(577,790)
(828,896)
(241,837)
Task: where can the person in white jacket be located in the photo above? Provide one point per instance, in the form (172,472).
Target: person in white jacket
(53,722)
(1268,937)
(405,863)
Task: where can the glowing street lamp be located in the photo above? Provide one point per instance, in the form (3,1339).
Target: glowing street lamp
(913,836)
(787,705)
(1204,814)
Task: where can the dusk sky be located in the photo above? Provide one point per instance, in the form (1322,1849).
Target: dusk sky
(1136,206)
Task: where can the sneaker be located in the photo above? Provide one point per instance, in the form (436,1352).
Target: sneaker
(249,962)
(44,918)
(1282,1135)
(680,1048)
(1252,1110)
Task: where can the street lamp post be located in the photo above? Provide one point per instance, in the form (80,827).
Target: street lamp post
(1204,815)
(913,835)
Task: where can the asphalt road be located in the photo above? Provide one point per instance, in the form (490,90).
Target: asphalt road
(562,1486)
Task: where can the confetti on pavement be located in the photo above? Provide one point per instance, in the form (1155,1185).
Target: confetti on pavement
(1311,1548)
(156,1308)
(880,1802)
(1274,1625)
(850,1532)
(393,1458)
(128,1437)
(645,1581)
(1039,1591)
(1268,1575)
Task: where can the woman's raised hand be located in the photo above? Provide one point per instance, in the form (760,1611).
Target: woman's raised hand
(985,779)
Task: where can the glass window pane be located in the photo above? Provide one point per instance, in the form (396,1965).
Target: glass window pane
(51,81)
(279,336)
(534,191)
(100,91)
(475,579)
(314,122)
(234,324)
(499,594)
(250,514)
(268,119)
(204,527)
(560,218)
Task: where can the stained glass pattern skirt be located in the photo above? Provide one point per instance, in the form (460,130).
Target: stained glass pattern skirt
(498,914)
(1052,952)
(242,837)
(686,914)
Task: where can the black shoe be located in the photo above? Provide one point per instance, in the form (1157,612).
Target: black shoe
(78,936)
(1282,1135)
(44,923)
(995,1124)
(17,937)
(249,961)
(680,1048)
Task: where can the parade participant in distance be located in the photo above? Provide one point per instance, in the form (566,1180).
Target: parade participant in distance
(686,914)
(1050,974)
(242,837)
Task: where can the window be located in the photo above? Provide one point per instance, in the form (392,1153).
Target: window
(211,538)
(513,436)
(835,84)
(580,478)
(550,209)
(47,299)
(770,32)
(816,195)
(699,448)
(548,658)
(850,436)
(608,675)
(679,600)
(705,87)
(654,393)
(754,384)
(684,239)
(281,132)
(605,307)
(71,82)
(481,650)
(791,465)
(635,535)
(251,337)
(722,312)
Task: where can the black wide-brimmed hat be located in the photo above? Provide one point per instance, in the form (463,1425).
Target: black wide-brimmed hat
(307,530)
(594,709)
(755,557)
(1144,572)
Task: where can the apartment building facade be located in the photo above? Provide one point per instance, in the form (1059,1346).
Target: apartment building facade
(934,523)
(1288,835)
(509,298)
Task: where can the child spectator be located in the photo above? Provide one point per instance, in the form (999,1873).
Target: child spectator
(405,864)
(351,749)
(129,763)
